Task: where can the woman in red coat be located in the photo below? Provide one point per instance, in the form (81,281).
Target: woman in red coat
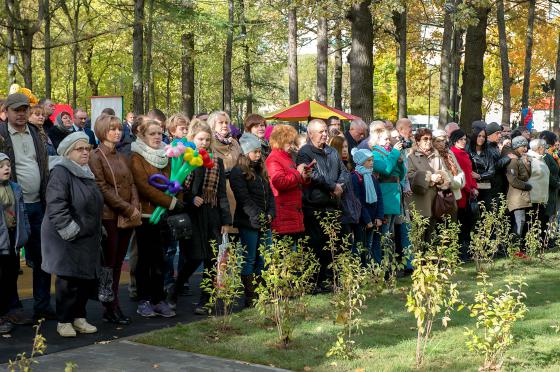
(458,142)
(286,181)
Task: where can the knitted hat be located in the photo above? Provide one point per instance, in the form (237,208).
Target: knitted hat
(67,144)
(519,141)
(493,128)
(249,142)
(361,155)
(456,136)
(439,133)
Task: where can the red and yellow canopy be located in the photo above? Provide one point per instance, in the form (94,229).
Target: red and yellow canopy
(307,110)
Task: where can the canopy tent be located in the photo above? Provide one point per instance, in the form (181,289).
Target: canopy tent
(307,110)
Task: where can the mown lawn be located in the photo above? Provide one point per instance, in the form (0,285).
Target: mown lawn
(389,336)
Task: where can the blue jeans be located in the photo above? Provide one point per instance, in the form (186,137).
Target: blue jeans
(405,241)
(251,240)
(369,240)
(41,279)
(169,275)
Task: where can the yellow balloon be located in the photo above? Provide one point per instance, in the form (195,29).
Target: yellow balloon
(188,154)
(196,162)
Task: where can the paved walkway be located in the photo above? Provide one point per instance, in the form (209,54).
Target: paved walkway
(124,355)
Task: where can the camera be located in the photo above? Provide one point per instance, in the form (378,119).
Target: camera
(406,143)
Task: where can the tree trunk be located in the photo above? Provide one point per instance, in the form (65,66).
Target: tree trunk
(168,90)
(528,56)
(292,54)
(361,61)
(456,54)
(337,91)
(47,64)
(187,74)
(149,99)
(400,22)
(227,61)
(88,66)
(504,61)
(137,56)
(322,59)
(446,65)
(11,53)
(557,90)
(75,47)
(473,74)
(247,59)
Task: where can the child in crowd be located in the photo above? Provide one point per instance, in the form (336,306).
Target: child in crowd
(254,211)
(367,190)
(208,209)
(178,126)
(14,231)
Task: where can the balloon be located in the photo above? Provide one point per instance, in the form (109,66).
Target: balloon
(160,182)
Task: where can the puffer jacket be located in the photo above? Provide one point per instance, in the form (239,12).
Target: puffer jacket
(540,176)
(286,184)
(254,199)
(327,172)
(518,173)
(127,199)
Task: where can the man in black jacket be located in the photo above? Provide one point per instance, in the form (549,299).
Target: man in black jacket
(329,178)
(22,142)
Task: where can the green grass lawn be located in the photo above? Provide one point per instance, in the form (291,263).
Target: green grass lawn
(389,336)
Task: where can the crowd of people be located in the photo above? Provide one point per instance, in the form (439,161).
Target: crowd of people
(78,198)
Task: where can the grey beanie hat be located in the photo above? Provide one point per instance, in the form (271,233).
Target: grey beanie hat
(68,142)
(249,142)
(4,156)
(493,128)
(519,141)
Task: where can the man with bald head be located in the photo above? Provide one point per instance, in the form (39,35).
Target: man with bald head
(329,179)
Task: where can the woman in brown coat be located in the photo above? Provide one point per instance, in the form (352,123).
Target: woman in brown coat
(426,172)
(114,179)
(225,147)
(148,158)
(518,173)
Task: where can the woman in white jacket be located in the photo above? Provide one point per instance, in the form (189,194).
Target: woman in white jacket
(540,176)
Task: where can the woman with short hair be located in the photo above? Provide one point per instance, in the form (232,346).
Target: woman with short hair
(71,233)
(37,116)
(114,179)
(286,182)
(256,125)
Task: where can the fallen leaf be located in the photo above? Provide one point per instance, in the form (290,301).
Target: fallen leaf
(360,370)
(307,368)
(155,366)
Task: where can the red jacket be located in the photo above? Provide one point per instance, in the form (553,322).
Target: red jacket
(465,163)
(286,183)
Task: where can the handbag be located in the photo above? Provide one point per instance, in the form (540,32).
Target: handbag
(474,208)
(105,283)
(122,221)
(444,203)
(179,226)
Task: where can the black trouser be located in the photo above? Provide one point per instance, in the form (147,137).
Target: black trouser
(317,242)
(9,271)
(188,268)
(71,297)
(151,263)
(464,217)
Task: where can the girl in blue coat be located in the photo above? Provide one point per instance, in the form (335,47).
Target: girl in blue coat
(367,190)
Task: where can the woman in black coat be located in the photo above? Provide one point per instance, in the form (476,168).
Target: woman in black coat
(254,211)
(209,212)
(71,233)
(483,166)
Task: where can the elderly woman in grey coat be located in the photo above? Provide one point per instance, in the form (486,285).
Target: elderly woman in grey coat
(71,232)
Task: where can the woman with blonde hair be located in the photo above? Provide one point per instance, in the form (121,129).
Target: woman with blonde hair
(225,147)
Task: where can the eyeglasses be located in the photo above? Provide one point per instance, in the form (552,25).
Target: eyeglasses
(83,148)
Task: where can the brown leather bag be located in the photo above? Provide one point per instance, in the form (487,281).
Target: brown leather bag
(444,203)
(122,221)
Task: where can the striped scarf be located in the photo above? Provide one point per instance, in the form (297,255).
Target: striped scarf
(209,185)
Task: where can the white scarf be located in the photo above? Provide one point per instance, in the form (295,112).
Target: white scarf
(157,158)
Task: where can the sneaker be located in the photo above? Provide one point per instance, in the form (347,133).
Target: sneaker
(66,330)
(5,326)
(18,317)
(163,309)
(146,310)
(81,325)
